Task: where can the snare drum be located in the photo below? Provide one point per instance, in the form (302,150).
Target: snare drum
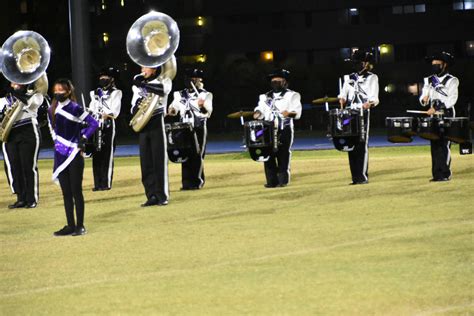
(400,129)
(259,138)
(182,141)
(430,127)
(456,129)
(344,123)
(258,134)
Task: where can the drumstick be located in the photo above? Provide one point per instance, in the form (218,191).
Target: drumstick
(340,90)
(83,101)
(422,112)
(194,88)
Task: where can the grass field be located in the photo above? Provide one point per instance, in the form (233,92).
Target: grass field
(398,246)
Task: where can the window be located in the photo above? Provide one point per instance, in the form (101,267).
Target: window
(354,16)
(105,38)
(463,5)
(470,48)
(409,8)
(419,8)
(266,56)
(23,7)
(397,9)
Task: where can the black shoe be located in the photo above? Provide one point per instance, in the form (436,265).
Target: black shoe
(31,205)
(151,201)
(162,203)
(188,188)
(65,231)
(359,182)
(282,185)
(79,231)
(17,204)
(268,186)
(95,189)
(439,179)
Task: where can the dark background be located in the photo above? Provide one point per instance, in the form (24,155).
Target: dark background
(310,38)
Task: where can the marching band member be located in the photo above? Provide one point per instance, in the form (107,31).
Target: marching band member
(105,107)
(280,105)
(69,134)
(360,91)
(20,152)
(440,92)
(152,138)
(193,104)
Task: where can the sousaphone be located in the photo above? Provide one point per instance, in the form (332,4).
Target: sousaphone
(24,58)
(151,42)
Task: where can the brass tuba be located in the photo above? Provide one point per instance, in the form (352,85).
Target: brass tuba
(24,58)
(151,42)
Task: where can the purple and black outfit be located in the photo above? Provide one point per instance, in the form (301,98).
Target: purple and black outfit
(70,125)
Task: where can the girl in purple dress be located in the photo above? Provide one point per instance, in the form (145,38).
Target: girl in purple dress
(70,127)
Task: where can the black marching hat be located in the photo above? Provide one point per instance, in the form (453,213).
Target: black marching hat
(282,73)
(194,73)
(362,56)
(110,72)
(443,56)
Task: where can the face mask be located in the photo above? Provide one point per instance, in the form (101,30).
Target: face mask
(104,83)
(277,86)
(358,67)
(61,97)
(437,69)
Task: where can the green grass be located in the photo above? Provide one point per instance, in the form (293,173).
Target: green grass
(398,246)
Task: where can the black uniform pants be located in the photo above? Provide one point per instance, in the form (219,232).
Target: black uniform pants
(20,159)
(441,154)
(70,180)
(193,169)
(277,167)
(359,156)
(154,159)
(103,160)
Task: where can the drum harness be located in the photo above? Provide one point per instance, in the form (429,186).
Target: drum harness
(98,115)
(278,121)
(360,94)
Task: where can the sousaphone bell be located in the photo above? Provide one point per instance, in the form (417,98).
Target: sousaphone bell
(24,58)
(151,42)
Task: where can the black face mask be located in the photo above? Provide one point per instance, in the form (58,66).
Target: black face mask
(104,83)
(437,69)
(20,89)
(358,67)
(187,84)
(61,97)
(277,86)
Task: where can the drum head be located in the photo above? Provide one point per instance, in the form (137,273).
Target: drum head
(178,155)
(345,143)
(260,154)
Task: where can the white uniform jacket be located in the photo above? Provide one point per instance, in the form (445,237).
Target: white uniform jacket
(444,89)
(30,110)
(359,89)
(141,92)
(108,102)
(272,104)
(185,100)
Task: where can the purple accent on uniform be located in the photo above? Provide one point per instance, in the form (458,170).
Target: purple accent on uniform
(346,121)
(259,133)
(70,131)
